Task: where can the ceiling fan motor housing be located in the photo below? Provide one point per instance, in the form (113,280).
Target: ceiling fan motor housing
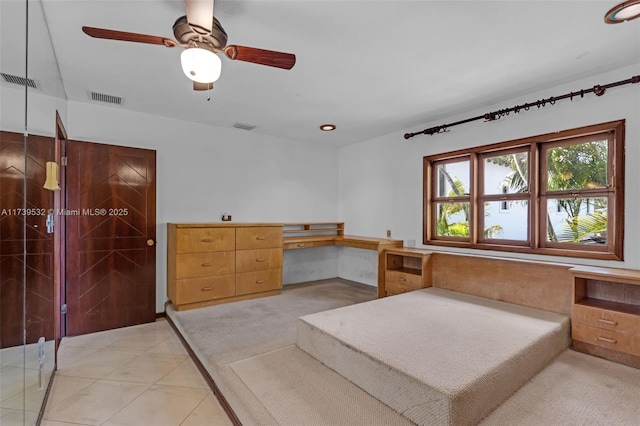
(183,33)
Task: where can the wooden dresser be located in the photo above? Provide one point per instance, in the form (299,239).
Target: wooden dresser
(216,263)
(605,319)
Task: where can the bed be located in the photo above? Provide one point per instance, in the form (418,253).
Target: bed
(436,356)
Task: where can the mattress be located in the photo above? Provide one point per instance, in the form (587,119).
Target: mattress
(433,355)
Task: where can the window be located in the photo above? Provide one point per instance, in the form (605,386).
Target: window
(560,193)
(451,203)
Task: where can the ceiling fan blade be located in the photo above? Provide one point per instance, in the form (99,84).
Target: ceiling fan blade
(199,15)
(125,36)
(202,86)
(261,56)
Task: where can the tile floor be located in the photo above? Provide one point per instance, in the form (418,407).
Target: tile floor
(135,376)
(23,383)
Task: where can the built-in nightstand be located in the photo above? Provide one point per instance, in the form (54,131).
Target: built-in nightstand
(605,318)
(406,269)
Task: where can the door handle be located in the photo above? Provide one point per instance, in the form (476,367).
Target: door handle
(151,242)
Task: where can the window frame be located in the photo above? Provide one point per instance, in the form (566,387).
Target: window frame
(537,196)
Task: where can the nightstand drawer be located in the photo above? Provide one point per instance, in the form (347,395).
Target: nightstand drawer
(393,287)
(258,237)
(605,319)
(200,240)
(258,260)
(403,279)
(207,288)
(205,264)
(256,282)
(608,339)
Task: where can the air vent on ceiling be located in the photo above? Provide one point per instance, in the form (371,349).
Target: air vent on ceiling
(110,99)
(14,79)
(244,126)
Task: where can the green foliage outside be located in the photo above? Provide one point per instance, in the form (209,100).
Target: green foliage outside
(578,166)
(449,210)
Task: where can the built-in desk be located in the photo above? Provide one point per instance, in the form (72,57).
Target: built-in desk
(319,234)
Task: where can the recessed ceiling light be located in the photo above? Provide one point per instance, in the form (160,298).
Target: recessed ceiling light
(625,11)
(327,127)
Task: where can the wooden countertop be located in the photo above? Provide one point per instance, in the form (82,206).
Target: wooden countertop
(222,224)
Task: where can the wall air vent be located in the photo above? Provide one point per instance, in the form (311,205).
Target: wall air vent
(244,126)
(14,79)
(109,99)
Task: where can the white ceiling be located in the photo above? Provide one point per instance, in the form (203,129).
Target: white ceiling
(370,67)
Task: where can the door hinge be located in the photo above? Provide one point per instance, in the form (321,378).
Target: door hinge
(63,161)
(63,309)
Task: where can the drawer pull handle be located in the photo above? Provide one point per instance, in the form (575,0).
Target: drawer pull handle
(261,238)
(300,245)
(260,282)
(207,288)
(207,240)
(403,280)
(207,264)
(261,259)
(606,339)
(606,321)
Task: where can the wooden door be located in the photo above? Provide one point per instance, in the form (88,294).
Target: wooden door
(26,287)
(110,237)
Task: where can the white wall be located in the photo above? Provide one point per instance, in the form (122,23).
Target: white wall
(204,171)
(41,111)
(381,179)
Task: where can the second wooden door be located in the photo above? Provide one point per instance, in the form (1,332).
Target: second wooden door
(110,237)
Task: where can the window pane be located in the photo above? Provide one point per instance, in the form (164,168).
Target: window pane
(506,220)
(578,166)
(453,179)
(452,219)
(577,220)
(506,174)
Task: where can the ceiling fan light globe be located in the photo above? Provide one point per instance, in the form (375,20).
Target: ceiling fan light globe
(630,12)
(201,65)
(625,11)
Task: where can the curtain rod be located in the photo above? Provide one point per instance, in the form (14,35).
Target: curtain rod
(598,90)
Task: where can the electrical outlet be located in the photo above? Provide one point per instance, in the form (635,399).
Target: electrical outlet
(388,233)
(411,243)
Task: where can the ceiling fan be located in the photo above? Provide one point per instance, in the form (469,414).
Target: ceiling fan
(202,37)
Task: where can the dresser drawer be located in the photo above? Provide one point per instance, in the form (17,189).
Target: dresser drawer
(258,237)
(620,342)
(608,320)
(255,282)
(205,264)
(208,288)
(258,260)
(403,279)
(201,240)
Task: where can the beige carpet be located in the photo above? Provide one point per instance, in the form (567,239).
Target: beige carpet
(298,390)
(222,334)
(434,355)
(266,386)
(575,389)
